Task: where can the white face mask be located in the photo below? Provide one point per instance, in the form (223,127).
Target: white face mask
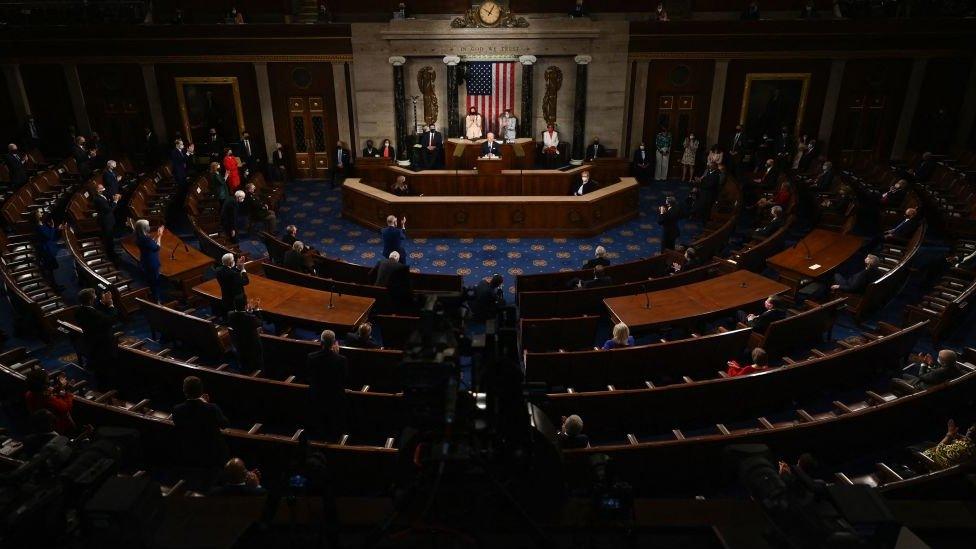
(642,147)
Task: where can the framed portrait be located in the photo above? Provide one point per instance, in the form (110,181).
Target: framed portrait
(774,100)
(210,102)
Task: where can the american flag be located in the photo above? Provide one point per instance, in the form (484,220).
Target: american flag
(491,89)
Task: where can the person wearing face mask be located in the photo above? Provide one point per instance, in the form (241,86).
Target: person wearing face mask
(370,151)
(689,156)
(585,185)
(473,124)
(662,142)
(507,124)
(595,150)
(640,166)
(387,150)
(247,152)
(431,143)
(180,163)
(278,167)
(214,146)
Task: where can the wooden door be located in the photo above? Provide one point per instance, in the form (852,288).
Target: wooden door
(863,135)
(681,115)
(307,124)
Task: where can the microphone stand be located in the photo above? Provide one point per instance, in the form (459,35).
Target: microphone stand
(331,294)
(172,254)
(806,247)
(647,297)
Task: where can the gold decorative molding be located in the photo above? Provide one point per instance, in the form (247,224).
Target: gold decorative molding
(789,54)
(160,59)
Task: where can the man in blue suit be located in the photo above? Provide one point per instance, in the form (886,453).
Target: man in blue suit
(491,147)
(180,162)
(393,237)
(110,179)
(149,245)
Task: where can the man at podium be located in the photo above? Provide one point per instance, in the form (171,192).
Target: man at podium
(491,148)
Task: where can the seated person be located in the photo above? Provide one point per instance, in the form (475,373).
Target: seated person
(571,435)
(295,258)
(400,187)
(599,258)
(760,363)
(781,198)
(55,398)
(895,195)
(599,279)
(768,176)
(774,309)
(691,261)
(291,235)
(621,338)
(837,205)
(585,185)
(362,337)
(491,148)
(238,481)
(198,427)
(925,168)
(860,281)
(926,374)
(258,210)
(904,229)
(774,224)
(954,449)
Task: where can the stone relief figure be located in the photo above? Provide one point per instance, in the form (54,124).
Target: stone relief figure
(425,81)
(554,81)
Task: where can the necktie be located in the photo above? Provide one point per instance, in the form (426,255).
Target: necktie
(339,154)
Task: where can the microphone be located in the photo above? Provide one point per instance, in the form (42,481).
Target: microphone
(647,297)
(331,294)
(806,247)
(172,254)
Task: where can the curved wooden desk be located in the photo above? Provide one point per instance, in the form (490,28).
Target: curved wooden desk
(494,216)
(461,153)
(183,265)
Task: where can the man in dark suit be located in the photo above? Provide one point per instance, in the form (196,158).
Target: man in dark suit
(370,151)
(15,167)
(825,180)
(110,179)
(600,278)
(736,144)
(904,229)
(708,186)
(784,148)
(925,168)
(488,297)
(595,150)
(362,338)
(97,323)
(859,282)
(584,185)
(640,165)
(769,175)
(928,373)
(431,143)
(809,154)
(258,208)
(238,481)
(491,147)
(599,258)
(230,212)
(774,224)
(291,235)
(105,210)
(668,216)
(395,277)
(198,425)
(247,152)
(246,336)
(82,156)
(214,145)
(774,309)
(394,236)
(340,166)
(279,169)
(232,279)
(327,375)
(294,258)
(31,137)
(180,163)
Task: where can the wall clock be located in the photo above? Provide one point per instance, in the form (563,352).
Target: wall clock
(489,14)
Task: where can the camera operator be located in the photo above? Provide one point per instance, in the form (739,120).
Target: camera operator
(489,297)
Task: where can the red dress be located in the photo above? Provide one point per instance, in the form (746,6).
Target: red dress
(233,174)
(735,370)
(60,406)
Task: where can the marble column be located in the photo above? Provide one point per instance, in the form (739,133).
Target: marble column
(18,94)
(638,102)
(77,97)
(525,114)
(579,111)
(717,101)
(342,107)
(831,100)
(453,114)
(155,104)
(399,104)
(967,114)
(267,108)
(908,109)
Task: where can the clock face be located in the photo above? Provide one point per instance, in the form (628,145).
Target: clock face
(490,12)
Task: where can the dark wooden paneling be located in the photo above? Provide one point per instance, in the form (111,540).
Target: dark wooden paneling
(115,97)
(938,110)
(166,75)
(663,79)
(321,84)
(9,125)
(735,87)
(870,80)
(47,92)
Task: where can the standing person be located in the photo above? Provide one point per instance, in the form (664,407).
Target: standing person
(232,172)
(550,146)
(393,237)
(474,124)
(105,210)
(507,125)
(431,142)
(246,153)
(198,427)
(668,216)
(327,373)
(214,145)
(641,164)
(393,275)
(232,278)
(15,167)
(149,246)
(708,189)
(230,213)
(341,166)
(662,144)
(46,243)
(218,187)
(97,323)
(179,163)
(110,178)
(689,156)
(245,334)
(279,170)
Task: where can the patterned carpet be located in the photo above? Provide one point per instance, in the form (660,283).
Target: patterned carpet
(316,210)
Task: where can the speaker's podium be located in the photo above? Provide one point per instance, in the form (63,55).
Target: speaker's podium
(491,166)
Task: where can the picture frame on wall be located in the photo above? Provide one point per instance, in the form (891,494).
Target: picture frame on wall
(210,102)
(773,100)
